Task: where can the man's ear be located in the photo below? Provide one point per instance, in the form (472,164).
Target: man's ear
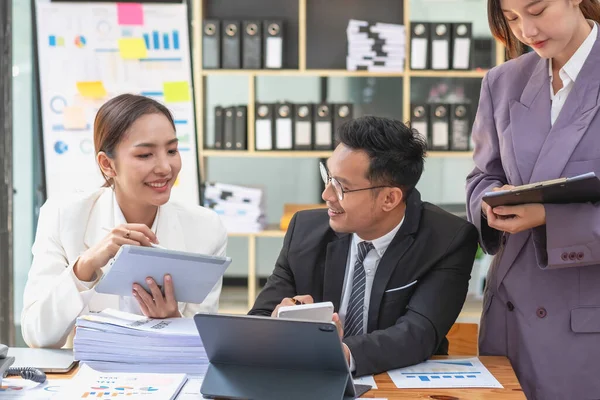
(107,165)
(393,198)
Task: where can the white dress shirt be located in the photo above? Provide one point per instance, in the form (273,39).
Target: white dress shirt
(370,264)
(568,73)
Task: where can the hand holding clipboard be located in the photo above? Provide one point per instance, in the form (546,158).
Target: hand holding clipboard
(521,207)
(578,189)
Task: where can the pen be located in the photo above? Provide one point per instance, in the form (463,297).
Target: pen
(156,246)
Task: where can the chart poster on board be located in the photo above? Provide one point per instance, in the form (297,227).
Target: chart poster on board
(89,53)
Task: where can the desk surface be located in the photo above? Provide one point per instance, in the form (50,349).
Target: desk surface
(498,366)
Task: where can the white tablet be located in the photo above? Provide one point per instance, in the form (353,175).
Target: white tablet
(194,275)
(317,312)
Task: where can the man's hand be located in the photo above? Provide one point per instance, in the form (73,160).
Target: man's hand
(340,329)
(296,300)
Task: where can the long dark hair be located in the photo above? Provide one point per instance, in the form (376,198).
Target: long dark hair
(502,32)
(116,116)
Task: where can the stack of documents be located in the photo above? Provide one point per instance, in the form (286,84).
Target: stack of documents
(375,47)
(115,341)
(241,208)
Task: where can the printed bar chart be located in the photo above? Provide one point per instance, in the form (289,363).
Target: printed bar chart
(170,40)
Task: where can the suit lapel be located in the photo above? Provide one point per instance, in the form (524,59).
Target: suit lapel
(530,120)
(573,120)
(393,256)
(102,219)
(335,269)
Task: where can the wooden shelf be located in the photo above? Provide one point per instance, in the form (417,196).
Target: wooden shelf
(447,74)
(263,154)
(241,310)
(272,231)
(313,154)
(449,154)
(344,73)
(296,72)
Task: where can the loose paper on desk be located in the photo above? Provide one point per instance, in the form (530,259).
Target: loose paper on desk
(191,390)
(89,383)
(22,389)
(450,373)
(366,380)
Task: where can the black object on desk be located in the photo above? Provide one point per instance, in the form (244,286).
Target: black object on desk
(269,358)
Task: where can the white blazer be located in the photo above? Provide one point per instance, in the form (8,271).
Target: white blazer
(54,297)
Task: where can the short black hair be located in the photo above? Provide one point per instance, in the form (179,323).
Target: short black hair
(397,152)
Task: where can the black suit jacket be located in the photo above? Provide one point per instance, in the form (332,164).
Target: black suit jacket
(405,326)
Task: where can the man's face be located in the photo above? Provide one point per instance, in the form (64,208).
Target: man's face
(358,212)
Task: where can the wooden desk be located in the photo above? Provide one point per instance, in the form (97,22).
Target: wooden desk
(498,366)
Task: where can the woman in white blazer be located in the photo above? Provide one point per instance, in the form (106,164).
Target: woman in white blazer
(136,149)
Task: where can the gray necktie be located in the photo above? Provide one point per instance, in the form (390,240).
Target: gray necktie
(354,315)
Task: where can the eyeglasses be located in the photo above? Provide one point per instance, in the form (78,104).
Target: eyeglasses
(337,187)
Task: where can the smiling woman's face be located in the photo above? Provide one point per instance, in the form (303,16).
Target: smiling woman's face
(146,161)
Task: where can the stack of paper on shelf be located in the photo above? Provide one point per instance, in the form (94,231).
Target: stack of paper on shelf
(376,47)
(115,341)
(241,208)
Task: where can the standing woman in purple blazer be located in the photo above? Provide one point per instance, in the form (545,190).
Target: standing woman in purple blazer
(537,120)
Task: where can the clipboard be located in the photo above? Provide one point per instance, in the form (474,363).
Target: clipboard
(577,189)
(194,275)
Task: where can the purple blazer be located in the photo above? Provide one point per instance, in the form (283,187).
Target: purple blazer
(542,301)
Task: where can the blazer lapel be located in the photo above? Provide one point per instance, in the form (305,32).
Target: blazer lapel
(335,269)
(573,120)
(169,231)
(530,120)
(101,220)
(393,256)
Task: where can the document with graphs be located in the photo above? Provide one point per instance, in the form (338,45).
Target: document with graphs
(449,373)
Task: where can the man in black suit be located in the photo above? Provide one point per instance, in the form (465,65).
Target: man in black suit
(396,268)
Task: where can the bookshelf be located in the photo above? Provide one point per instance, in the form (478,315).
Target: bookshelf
(302,14)
(313,154)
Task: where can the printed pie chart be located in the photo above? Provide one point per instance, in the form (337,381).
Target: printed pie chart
(60,147)
(80,41)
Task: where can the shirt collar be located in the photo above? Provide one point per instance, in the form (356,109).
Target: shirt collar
(120,218)
(380,244)
(573,67)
